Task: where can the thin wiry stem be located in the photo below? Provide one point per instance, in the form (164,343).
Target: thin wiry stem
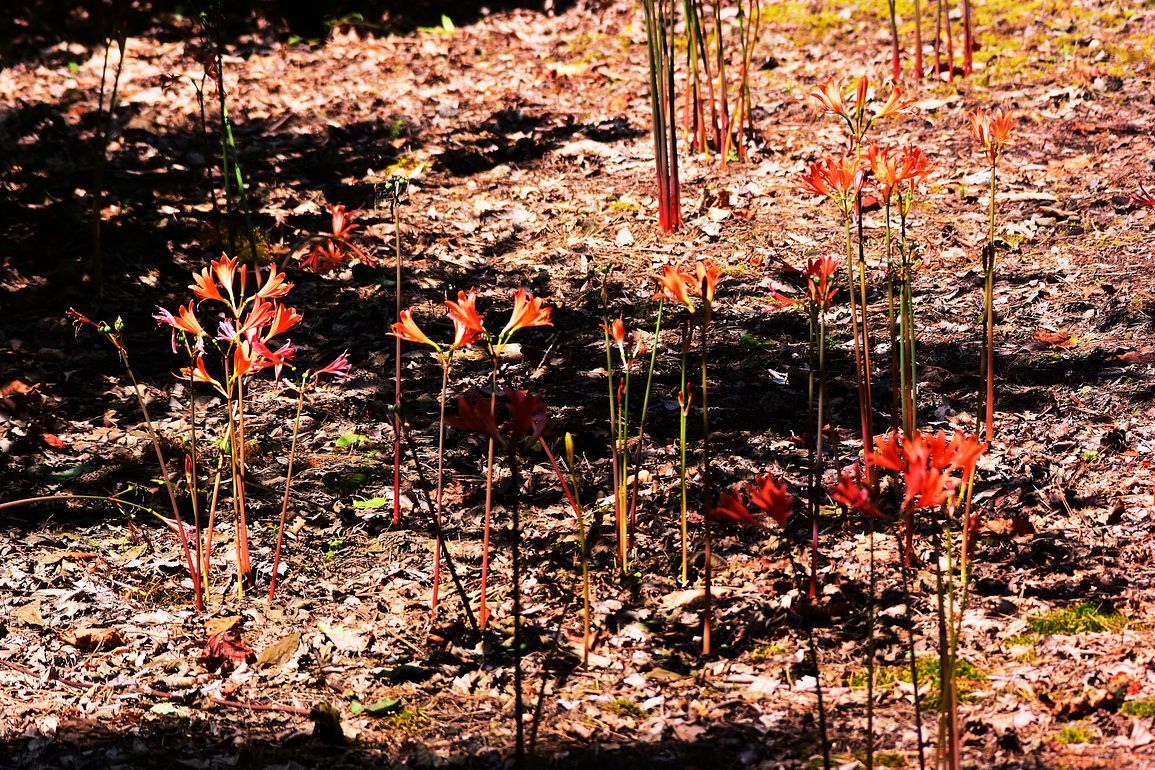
(288,485)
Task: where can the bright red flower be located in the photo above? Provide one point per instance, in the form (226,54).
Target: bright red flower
(527,311)
(464,312)
(674,284)
(888,452)
(853,492)
(185,320)
(965,449)
(1143,198)
(528,414)
(771,496)
(820,284)
(463,336)
(343,225)
(323,257)
(730,507)
(474,415)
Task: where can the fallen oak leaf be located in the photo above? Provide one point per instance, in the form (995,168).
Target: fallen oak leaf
(89,639)
(279,652)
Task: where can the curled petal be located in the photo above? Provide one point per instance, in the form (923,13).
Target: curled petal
(731,508)
(408,330)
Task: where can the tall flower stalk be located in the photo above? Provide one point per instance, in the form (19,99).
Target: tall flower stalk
(528,311)
(676,286)
(820,278)
(991,130)
(628,352)
(467,326)
(338,368)
(707,274)
(394,192)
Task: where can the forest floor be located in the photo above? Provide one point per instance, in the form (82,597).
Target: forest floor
(531,137)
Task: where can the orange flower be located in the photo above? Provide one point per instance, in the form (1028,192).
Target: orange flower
(964,451)
(893,105)
(260,315)
(829,95)
(992,130)
(890,168)
(527,311)
(464,312)
(184,321)
(284,318)
(275,285)
(839,179)
(617,333)
(674,285)
(204,287)
(771,496)
(198,373)
(708,274)
(225,270)
(407,329)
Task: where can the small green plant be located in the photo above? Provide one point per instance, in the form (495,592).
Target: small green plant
(1081,618)
(1075,734)
(624,707)
(1144,708)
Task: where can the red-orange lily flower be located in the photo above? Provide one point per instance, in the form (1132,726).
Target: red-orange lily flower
(820,284)
(771,495)
(474,415)
(616,330)
(198,373)
(284,318)
(185,320)
(992,130)
(894,104)
(731,507)
(464,311)
(275,285)
(204,286)
(674,285)
(527,311)
(407,329)
(839,179)
(708,273)
(343,225)
(528,414)
(225,270)
(852,492)
(829,95)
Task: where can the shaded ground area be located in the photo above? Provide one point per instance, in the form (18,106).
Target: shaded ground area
(537,172)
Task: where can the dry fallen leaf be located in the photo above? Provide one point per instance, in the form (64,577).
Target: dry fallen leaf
(93,639)
(280,652)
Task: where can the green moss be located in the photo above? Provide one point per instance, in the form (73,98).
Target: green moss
(764,653)
(1081,618)
(889,759)
(969,678)
(1139,708)
(410,723)
(626,708)
(1073,734)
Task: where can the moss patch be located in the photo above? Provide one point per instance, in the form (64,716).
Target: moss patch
(1081,618)
(1073,734)
(1144,708)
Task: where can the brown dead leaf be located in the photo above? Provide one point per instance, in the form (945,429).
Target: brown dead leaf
(280,652)
(1060,339)
(29,614)
(217,626)
(94,639)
